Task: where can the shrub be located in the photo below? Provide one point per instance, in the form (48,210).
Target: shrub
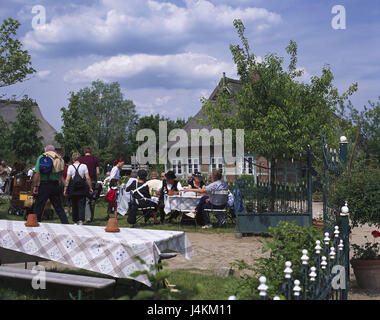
(361,190)
(287,244)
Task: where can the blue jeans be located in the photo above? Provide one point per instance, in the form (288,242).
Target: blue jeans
(207,205)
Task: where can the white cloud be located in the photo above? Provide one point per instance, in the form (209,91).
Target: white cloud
(116,22)
(185,68)
(43,74)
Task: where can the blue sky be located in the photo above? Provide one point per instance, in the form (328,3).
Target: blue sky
(168,54)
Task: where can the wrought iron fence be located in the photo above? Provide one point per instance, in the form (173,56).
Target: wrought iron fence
(282,190)
(324,275)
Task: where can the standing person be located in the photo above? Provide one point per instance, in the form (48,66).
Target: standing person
(4,174)
(78,188)
(115,172)
(92,164)
(30,173)
(46,183)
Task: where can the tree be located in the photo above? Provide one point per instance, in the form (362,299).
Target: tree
(103,119)
(6,152)
(15,63)
(279,115)
(26,143)
(369,121)
(76,132)
(152,122)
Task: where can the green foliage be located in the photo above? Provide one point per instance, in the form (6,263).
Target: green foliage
(367,251)
(25,139)
(361,190)
(279,114)
(6,152)
(369,119)
(99,117)
(287,244)
(76,132)
(15,63)
(152,122)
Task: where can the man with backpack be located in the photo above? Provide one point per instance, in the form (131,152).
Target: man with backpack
(48,172)
(92,164)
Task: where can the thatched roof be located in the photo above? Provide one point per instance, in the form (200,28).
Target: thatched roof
(8,110)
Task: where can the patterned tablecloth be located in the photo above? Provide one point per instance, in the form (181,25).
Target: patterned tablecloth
(185,202)
(91,248)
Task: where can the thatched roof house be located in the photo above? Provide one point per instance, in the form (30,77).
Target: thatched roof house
(8,110)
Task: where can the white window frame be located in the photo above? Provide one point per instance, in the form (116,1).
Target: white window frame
(176,165)
(193,165)
(217,163)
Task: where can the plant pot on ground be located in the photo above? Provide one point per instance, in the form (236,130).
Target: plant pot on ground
(366,263)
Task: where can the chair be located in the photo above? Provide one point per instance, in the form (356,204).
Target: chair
(146,212)
(219,198)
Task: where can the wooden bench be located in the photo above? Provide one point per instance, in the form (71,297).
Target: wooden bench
(58,278)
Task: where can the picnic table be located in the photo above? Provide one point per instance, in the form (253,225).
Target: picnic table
(91,248)
(184,202)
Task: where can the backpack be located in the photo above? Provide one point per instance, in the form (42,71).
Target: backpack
(46,165)
(79,183)
(58,162)
(111,196)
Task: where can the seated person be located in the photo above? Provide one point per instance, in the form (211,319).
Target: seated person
(132,177)
(196,182)
(154,183)
(169,186)
(141,197)
(218,184)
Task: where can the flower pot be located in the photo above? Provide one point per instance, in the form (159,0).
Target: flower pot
(318,223)
(367,273)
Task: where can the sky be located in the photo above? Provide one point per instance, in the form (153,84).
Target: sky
(166,55)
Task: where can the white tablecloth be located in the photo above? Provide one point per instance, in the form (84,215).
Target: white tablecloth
(91,248)
(185,202)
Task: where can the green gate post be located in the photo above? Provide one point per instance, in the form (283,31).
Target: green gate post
(309,187)
(345,227)
(343,150)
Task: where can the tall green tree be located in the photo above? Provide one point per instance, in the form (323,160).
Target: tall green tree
(76,132)
(103,119)
(25,139)
(369,121)
(6,152)
(279,115)
(152,122)
(15,63)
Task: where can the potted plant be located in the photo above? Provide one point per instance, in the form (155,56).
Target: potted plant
(366,263)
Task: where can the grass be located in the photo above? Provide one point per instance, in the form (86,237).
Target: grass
(100,220)
(193,284)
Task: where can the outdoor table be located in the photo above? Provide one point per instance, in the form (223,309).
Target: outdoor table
(91,248)
(184,202)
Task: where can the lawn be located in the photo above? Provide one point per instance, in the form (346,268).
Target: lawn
(100,220)
(194,284)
